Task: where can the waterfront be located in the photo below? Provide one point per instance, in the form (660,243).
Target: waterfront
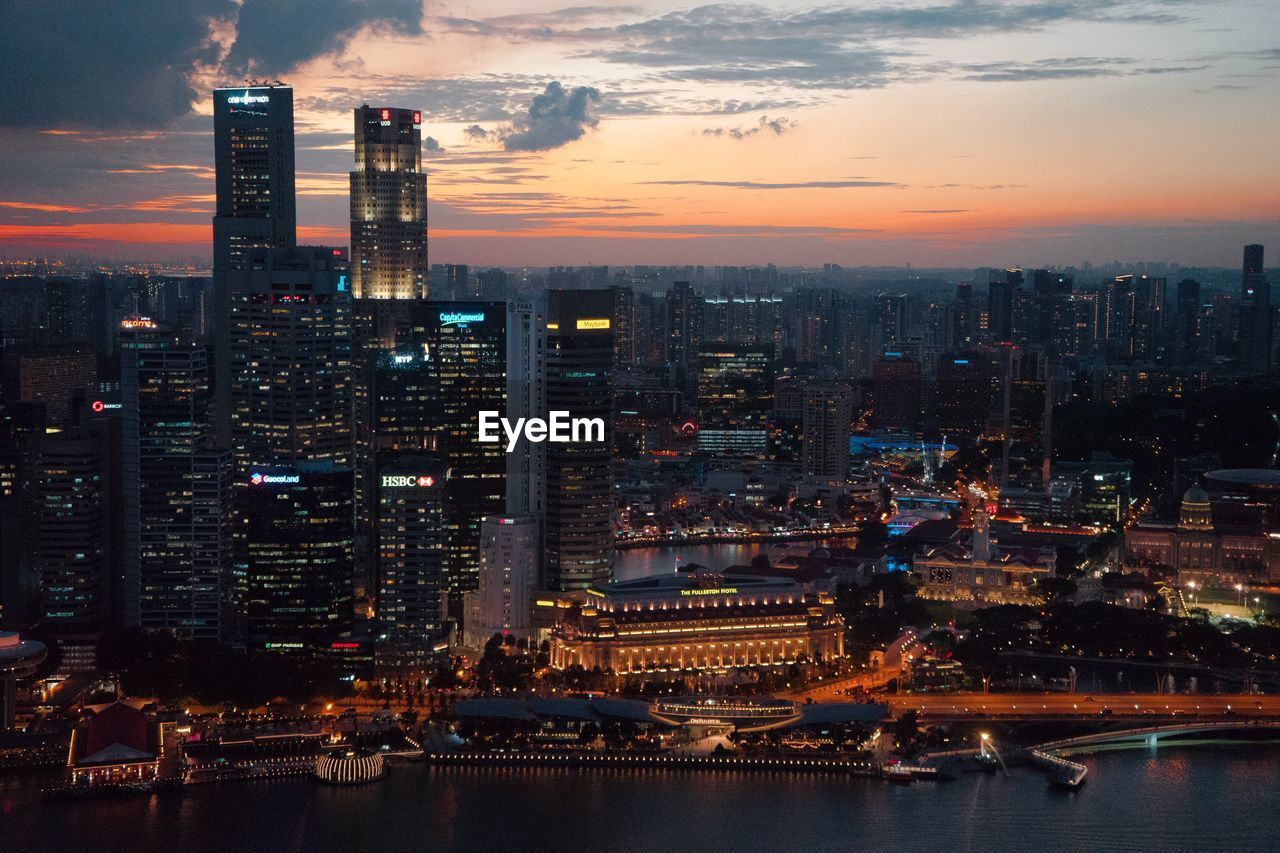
(631,563)
(1173,798)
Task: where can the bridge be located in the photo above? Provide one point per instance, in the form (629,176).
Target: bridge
(1150,735)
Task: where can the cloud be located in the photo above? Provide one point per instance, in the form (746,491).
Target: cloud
(83,63)
(788,185)
(938,212)
(475,133)
(556,117)
(431,147)
(776,126)
(273,36)
(88,63)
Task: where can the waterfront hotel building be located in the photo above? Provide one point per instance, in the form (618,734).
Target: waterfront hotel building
(696,622)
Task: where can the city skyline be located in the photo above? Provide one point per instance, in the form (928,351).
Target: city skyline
(679,133)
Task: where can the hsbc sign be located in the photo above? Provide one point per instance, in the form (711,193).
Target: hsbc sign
(399,481)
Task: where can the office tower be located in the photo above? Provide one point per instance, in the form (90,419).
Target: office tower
(735,398)
(53,376)
(815,326)
(296,549)
(577,528)
(457,283)
(894,311)
(964,321)
(22,425)
(74,494)
(411,537)
(466,345)
(828,413)
(1254,330)
(895,393)
(254,205)
(291,372)
(684,330)
(1186,343)
(526,398)
(388,206)
(503,602)
(175,489)
(1001,287)
(624,329)
(492,285)
(963,394)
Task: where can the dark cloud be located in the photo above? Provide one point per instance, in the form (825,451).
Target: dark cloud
(776,126)
(431,147)
(88,63)
(1066,68)
(789,185)
(556,117)
(476,133)
(273,36)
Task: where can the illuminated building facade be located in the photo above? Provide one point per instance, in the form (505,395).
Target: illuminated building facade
(295,539)
(175,489)
(291,379)
(692,623)
(578,378)
(411,537)
(508,577)
(255,200)
(466,348)
(388,206)
(53,375)
(828,412)
(735,399)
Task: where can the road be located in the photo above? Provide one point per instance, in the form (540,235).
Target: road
(953,706)
(908,645)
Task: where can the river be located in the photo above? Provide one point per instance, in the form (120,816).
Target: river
(633,563)
(1213,798)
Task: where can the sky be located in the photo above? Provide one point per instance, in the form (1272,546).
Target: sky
(927,132)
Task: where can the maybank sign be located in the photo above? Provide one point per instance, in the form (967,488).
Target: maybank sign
(589,324)
(460,318)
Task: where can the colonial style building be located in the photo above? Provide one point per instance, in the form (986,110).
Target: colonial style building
(1201,550)
(983,574)
(695,622)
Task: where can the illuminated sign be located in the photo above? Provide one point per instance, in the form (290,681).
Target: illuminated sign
(342,279)
(274,479)
(601,323)
(137,323)
(246,98)
(460,318)
(344,645)
(720,590)
(401,359)
(103,406)
(386,115)
(417,118)
(399,481)
(282,645)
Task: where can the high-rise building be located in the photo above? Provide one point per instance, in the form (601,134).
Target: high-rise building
(735,399)
(75,533)
(388,206)
(828,412)
(684,329)
(963,394)
(1001,287)
(578,527)
(175,489)
(53,376)
(466,347)
(508,577)
(411,536)
(1255,326)
(255,205)
(895,393)
(291,372)
(526,398)
(296,549)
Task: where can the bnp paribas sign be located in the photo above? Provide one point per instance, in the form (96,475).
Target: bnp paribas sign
(558,427)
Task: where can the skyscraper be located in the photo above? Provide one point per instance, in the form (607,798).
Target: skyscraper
(388,206)
(175,489)
(828,411)
(255,204)
(75,532)
(578,529)
(1002,286)
(735,398)
(411,549)
(466,346)
(291,373)
(1254,332)
(297,553)
(508,577)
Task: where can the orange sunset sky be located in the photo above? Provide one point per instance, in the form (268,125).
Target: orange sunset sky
(935,133)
